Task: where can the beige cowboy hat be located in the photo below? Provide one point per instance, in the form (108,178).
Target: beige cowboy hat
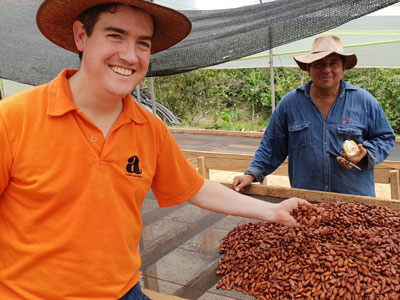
(322,47)
(55,19)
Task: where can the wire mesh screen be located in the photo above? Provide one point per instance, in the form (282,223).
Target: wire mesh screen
(224,35)
(180,250)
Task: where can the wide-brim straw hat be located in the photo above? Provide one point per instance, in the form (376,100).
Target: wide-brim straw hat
(322,47)
(55,19)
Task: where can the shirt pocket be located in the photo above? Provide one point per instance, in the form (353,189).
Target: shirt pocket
(350,133)
(300,135)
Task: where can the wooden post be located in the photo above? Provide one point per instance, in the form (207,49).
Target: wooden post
(150,282)
(395,184)
(201,166)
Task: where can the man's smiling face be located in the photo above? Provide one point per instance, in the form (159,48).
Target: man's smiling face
(327,72)
(117,53)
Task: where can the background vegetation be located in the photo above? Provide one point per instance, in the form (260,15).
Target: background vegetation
(240,99)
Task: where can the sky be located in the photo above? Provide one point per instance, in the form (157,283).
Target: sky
(221,4)
(206,4)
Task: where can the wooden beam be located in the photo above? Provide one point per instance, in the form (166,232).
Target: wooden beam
(159,296)
(316,196)
(235,162)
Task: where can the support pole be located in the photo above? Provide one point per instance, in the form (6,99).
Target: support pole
(272,79)
(153,96)
(2,89)
(138,96)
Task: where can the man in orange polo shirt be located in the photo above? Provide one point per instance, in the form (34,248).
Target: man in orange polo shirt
(78,157)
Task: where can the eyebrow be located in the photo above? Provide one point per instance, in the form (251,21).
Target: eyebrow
(122,31)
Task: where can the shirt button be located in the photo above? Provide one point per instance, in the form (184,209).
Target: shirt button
(326,164)
(326,187)
(326,143)
(93,138)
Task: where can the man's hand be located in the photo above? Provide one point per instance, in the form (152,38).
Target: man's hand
(354,160)
(284,208)
(242,181)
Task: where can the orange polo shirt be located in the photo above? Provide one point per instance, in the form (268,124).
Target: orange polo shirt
(70,201)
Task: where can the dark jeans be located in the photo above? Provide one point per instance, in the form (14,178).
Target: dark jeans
(135,293)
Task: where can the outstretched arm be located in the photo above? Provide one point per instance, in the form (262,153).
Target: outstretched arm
(215,197)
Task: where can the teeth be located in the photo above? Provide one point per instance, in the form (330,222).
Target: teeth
(122,71)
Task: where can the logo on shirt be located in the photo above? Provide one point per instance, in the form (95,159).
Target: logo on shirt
(133,167)
(345,121)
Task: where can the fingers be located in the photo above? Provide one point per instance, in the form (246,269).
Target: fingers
(363,152)
(343,163)
(305,215)
(303,202)
(239,187)
(236,182)
(240,182)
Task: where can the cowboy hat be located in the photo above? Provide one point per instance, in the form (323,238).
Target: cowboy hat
(55,19)
(322,47)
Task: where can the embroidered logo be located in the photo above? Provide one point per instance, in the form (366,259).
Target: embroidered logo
(345,121)
(133,166)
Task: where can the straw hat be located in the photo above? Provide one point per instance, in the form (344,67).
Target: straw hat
(322,47)
(55,19)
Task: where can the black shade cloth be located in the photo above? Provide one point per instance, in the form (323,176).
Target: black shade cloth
(218,36)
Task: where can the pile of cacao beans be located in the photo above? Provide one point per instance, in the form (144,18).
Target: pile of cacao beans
(353,252)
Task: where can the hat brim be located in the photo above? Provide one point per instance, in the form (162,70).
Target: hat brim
(350,60)
(55,19)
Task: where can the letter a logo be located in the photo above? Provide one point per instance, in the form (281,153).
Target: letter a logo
(133,165)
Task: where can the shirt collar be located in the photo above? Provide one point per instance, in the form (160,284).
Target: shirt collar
(60,99)
(343,87)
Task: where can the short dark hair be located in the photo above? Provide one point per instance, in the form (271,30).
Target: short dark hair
(90,17)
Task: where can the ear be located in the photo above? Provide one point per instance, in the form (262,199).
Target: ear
(79,35)
(308,66)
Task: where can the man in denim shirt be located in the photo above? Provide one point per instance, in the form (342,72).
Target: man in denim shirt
(319,117)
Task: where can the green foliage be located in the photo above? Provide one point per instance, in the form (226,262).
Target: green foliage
(200,97)
(256,90)
(216,116)
(227,117)
(384,85)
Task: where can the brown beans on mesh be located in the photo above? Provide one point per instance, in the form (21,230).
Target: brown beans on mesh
(354,253)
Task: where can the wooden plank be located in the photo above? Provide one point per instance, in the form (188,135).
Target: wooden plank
(217,132)
(240,162)
(153,295)
(382,175)
(227,164)
(395,184)
(191,153)
(388,164)
(316,196)
(282,170)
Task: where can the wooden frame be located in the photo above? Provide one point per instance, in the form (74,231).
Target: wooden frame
(386,172)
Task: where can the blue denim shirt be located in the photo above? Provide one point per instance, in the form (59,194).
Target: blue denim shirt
(299,131)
